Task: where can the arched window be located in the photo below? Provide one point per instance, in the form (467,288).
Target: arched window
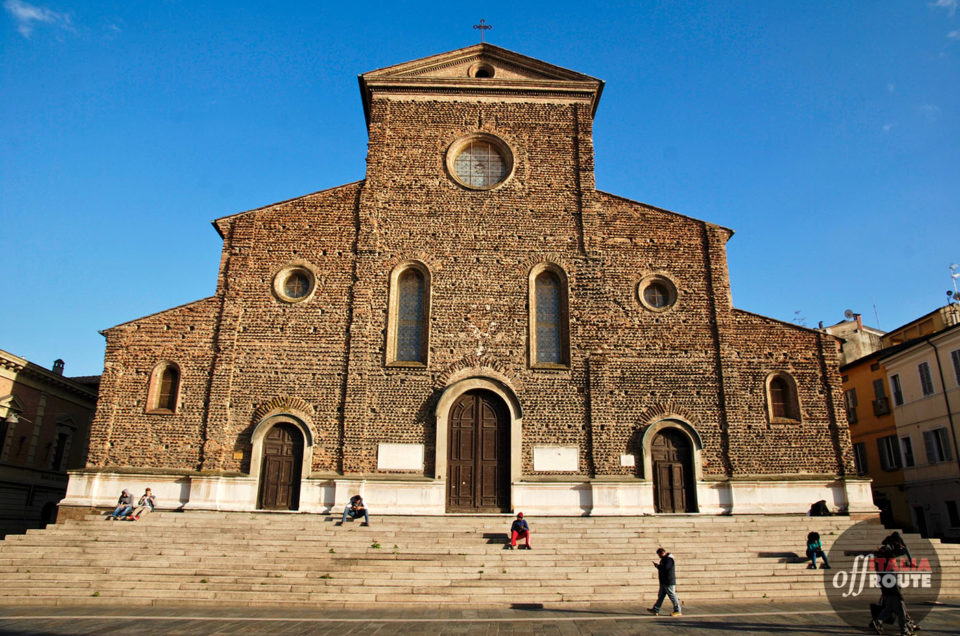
(549,340)
(783,404)
(409,313)
(164,391)
(778,397)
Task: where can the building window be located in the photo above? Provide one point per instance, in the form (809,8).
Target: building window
(163,394)
(955,356)
(409,315)
(295,283)
(881,405)
(549,335)
(926,381)
(657,292)
(906,446)
(937,445)
(860,458)
(58,453)
(889,452)
(782,402)
(897,390)
(952,514)
(479,162)
(850,398)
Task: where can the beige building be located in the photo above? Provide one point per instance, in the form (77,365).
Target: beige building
(44,431)
(858,339)
(924,382)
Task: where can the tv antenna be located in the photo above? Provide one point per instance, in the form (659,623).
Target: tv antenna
(954,296)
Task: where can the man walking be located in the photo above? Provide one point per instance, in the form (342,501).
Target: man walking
(668,583)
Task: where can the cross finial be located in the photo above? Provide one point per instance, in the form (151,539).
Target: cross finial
(483,26)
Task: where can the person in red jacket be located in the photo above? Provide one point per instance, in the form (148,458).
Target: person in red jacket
(520,530)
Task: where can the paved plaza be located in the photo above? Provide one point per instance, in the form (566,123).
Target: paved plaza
(735,618)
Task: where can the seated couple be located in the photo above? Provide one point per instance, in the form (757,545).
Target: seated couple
(125,509)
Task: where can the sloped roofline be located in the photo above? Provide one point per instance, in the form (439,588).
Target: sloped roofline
(555,78)
(103,332)
(822,332)
(216,221)
(665,211)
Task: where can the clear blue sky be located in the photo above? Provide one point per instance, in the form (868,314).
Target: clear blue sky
(825,133)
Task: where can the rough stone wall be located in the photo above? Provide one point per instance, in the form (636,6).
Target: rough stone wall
(123,433)
(268,348)
(701,361)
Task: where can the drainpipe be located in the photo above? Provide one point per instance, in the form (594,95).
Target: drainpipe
(946,400)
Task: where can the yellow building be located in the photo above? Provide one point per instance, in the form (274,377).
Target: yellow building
(876,446)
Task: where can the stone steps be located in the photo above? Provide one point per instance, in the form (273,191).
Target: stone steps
(268,559)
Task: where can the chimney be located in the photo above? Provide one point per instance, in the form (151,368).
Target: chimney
(58,366)
(859,321)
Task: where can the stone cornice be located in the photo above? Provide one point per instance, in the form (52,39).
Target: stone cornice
(21,367)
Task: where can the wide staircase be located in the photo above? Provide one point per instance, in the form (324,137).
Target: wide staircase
(275,559)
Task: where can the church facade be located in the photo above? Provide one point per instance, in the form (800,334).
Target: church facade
(473,327)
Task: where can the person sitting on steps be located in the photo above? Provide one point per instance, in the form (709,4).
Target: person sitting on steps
(124,506)
(146,505)
(814,550)
(519,530)
(355,509)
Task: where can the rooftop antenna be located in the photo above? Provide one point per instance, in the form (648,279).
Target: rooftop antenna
(848,314)
(954,296)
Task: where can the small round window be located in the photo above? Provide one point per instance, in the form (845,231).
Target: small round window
(479,162)
(294,284)
(657,293)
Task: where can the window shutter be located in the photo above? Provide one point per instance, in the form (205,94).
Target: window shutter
(930,444)
(955,356)
(945,444)
(884,455)
(926,382)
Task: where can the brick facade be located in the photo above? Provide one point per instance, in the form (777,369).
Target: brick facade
(245,353)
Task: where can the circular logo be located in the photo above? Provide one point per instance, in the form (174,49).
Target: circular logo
(875,573)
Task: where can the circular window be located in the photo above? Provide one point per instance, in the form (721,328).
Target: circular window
(481,71)
(657,293)
(479,162)
(294,284)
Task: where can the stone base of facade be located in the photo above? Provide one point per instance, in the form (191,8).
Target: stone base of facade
(428,496)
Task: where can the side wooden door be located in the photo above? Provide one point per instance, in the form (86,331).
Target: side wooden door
(282,463)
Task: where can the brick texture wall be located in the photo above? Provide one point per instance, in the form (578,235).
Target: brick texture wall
(702,360)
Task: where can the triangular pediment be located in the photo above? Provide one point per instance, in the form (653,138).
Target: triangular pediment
(481,69)
(480,61)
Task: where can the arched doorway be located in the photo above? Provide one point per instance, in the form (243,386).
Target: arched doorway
(281,467)
(673,475)
(478,459)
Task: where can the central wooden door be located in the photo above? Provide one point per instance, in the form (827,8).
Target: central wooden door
(479,454)
(282,463)
(673,478)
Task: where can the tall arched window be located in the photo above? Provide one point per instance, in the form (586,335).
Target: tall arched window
(164,391)
(778,397)
(783,402)
(409,316)
(549,340)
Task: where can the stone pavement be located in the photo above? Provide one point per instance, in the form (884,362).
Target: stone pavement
(734,618)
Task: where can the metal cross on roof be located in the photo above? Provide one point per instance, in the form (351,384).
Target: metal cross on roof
(483,26)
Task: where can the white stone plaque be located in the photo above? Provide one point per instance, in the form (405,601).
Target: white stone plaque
(628,460)
(556,458)
(400,456)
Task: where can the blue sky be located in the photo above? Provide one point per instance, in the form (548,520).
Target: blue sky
(825,133)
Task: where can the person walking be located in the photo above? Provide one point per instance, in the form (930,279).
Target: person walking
(667,573)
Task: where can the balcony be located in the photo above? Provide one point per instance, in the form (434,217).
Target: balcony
(881,406)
